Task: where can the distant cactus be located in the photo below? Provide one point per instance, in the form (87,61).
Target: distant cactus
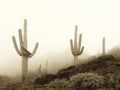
(46,65)
(23,52)
(103,46)
(76,48)
(40,69)
(45,69)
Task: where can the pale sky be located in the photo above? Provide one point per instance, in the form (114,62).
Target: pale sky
(52,23)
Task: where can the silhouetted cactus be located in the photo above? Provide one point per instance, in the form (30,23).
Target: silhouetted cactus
(103,46)
(76,48)
(23,52)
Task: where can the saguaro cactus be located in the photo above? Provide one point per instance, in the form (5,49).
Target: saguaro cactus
(76,48)
(23,52)
(103,46)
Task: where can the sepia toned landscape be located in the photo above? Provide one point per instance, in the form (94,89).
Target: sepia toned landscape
(60,45)
(100,71)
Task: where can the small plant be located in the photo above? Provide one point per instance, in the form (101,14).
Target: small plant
(43,71)
(46,66)
(76,48)
(87,81)
(40,69)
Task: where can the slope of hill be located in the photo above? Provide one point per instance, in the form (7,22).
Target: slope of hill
(98,73)
(101,65)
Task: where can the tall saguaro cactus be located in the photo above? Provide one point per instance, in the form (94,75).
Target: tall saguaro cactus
(76,48)
(23,52)
(103,46)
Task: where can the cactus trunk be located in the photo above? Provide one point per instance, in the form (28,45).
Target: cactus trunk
(24,68)
(23,52)
(75,59)
(24,59)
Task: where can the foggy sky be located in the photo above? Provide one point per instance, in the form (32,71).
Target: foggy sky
(52,23)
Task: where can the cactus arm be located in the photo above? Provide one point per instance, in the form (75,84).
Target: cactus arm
(20,38)
(80,40)
(16,47)
(81,51)
(34,50)
(25,51)
(71,45)
(75,38)
(72,48)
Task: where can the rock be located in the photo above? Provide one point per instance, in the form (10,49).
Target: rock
(65,73)
(45,80)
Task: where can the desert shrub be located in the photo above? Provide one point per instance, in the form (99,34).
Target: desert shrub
(109,80)
(20,86)
(59,83)
(115,51)
(87,81)
(117,79)
(4,80)
(112,80)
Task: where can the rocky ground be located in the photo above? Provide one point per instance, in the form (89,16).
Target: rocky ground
(98,73)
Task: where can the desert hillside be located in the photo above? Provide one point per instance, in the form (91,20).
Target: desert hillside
(96,73)
(106,66)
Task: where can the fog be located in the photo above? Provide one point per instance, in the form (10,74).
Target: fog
(52,24)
